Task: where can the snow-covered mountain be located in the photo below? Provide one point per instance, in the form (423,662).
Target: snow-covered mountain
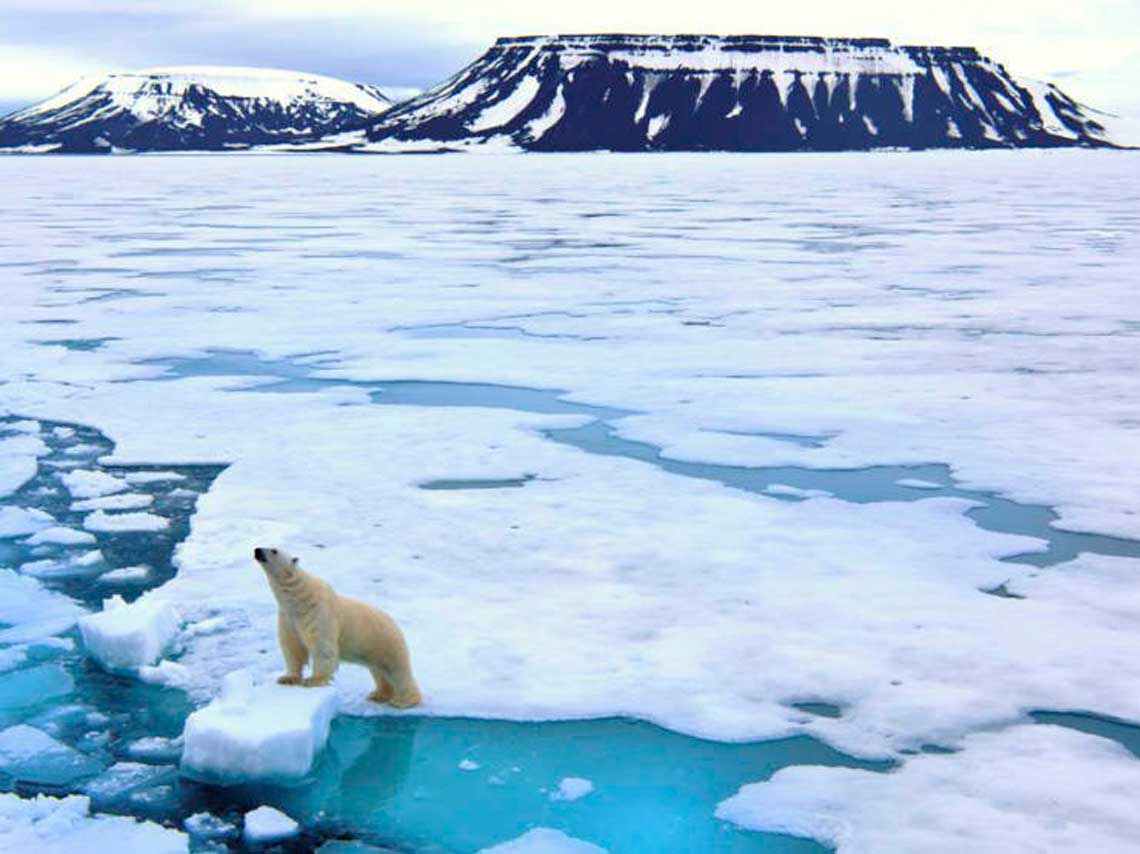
(191,108)
(736,93)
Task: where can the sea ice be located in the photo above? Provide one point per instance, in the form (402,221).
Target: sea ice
(137,477)
(263,732)
(18,521)
(46,825)
(86,483)
(1030,789)
(61,536)
(30,611)
(33,756)
(204,825)
(123,778)
(127,637)
(102,521)
(572,789)
(120,501)
(266,824)
(155,749)
(544,840)
(126,575)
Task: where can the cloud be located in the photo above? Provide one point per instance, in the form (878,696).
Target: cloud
(1095,43)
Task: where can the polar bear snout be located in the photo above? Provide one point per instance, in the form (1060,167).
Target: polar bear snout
(274,561)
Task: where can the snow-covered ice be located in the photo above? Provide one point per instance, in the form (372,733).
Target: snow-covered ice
(544,840)
(47,825)
(954,308)
(266,824)
(19,522)
(31,755)
(61,536)
(120,501)
(129,636)
(30,612)
(100,520)
(126,575)
(258,732)
(85,483)
(572,789)
(1026,790)
(204,825)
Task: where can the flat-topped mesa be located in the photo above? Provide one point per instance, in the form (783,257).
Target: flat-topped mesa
(736,93)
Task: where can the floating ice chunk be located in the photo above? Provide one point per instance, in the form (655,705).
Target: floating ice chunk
(266,824)
(126,575)
(153,476)
(544,840)
(20,521)
(796,492)
(12,657)
(127,637)
(34,685)
(63,432)
(57,535)
(918,483)
(31,755)
(268,732)
(168,673)
(155,749)
(123,778)
(46,825)
(31,611)
(572,789)
(18,461)
(468,765)
(103,521)
(1002,792)
(85,483)
(75,566)
(204,825)
(122,501)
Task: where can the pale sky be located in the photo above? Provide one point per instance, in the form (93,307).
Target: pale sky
(1091,49)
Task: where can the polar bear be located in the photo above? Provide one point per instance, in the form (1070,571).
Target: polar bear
(315,624)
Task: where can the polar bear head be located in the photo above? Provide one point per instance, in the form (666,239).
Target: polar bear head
(275,562)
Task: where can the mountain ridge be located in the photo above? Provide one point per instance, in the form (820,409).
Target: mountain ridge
(191,108)
(735,93)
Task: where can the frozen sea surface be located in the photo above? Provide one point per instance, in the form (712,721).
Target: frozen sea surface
(738,446)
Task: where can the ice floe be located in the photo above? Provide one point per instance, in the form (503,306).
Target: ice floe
(102,521)
(47,825)
(266,824)
(257,732)
(544,840)
(1028,789)
(85,483)
(572,789)
(31,755)
(128,637)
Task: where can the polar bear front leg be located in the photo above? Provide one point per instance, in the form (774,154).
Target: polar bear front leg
(325,653)
(294,651)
